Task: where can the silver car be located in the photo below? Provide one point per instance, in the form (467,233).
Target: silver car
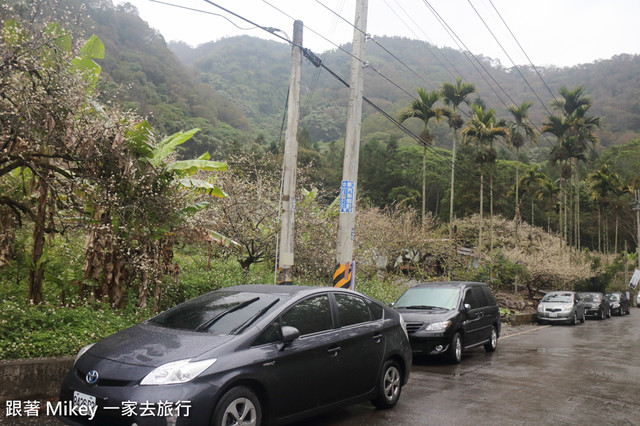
(561,306)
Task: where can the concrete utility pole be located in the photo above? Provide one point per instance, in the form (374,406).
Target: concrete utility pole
(285,259)
(343,276)
(636,207)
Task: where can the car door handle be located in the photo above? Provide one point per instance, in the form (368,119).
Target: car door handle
(377,337)
(334,351)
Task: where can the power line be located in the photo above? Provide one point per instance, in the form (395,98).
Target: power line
(202,11)
(523,51)
(508,56)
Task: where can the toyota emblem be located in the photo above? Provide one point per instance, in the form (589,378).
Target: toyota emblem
(92,377)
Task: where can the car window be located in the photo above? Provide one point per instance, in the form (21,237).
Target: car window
(377,311)
(310,315)
(472,297)
(558,297)
(270,335)
(429,297)
(491,299)
(351,310)
(480,296)
(219,312)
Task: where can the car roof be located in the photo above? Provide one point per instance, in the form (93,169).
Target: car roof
(448,284)
(287,290)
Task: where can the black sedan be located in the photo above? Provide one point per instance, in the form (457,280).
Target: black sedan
(596,305)
(619,303)
(243,355)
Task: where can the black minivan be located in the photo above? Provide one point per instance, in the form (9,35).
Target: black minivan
(445,318)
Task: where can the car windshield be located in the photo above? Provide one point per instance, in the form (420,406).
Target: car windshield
(429,298)
(592,298)
(558,297)
(220,312)
(614,297)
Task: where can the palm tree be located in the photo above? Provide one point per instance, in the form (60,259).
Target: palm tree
(484,130)
(532,183)
(453,95)
(423,108)
(550,191)
(520,129)
(577,135)
(606,187)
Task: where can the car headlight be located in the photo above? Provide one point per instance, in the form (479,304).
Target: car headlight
(540,308)
(567,308)
(615,305)
(81,352)
(437,326)
(177,372)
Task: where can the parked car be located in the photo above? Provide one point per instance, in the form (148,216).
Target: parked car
(561,306)
(247,354)
(596,305)
(446,318)
(638,299)
(619,303)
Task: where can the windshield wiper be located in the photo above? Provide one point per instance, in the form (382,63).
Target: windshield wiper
(420,307)
(205,325)
(247,323)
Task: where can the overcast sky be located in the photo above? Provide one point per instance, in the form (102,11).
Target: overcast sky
(551,32)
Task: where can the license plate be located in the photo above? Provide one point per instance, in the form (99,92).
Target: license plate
(83,400)
(553,315)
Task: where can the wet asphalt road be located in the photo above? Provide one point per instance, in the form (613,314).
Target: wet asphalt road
(560,374)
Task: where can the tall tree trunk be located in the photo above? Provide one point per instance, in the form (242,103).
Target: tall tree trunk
(36,275)
(533,219)
(599,228)
(564,207)
(616,243)
(491,211)
(481,209)
(517,218)
(7,235)
(424,183)
(453,176)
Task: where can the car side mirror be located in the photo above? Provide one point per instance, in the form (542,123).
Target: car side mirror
(392,304)
(289,335)
(467,307)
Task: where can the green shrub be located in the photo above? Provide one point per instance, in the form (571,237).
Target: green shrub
(47,331)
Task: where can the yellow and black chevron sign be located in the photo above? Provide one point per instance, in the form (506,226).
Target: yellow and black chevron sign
(342,276)
(285,276)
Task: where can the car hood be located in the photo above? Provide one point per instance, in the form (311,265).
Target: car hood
(426,316)
(151,346)
(558,305)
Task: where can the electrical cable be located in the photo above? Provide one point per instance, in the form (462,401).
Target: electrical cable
(202,11)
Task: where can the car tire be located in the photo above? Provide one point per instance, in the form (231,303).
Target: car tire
(389,386)
(454,353)
(493,341)
(574,319)
(239,405)
(601,314)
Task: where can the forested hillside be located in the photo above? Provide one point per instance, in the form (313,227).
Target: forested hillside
(254,72)
(134,177)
